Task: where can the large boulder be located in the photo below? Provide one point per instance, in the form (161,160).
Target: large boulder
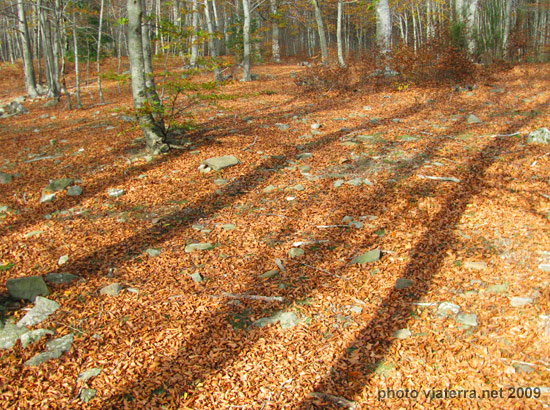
(27,288)
(219,163)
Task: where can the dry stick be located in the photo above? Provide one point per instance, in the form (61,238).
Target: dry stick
(254,297)
(339,401)
(325,271)
(332,226)
(504,135)
(251,145)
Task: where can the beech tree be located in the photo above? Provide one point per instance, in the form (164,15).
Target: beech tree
(28,68)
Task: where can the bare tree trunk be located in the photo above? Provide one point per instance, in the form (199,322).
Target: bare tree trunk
(275,47)
(152,130)
(383,31)
(246,41)
(194,37)
(339,35)
(100,29)
(321,30)
(212,46)
(30,81)
(76,64)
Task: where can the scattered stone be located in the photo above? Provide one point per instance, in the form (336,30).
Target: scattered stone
(47,198)
(402,334)
(42,309)
(87,394)
(5,178)
(219,163)
(357,224)
(220,181)
(305,168)
(316,126)
(58,185)
(34,336)
(540,136)
(199,247)
(228,227)
(269,188)
(33,233)
(197,227)
(475,265)
(27,288)
(9,335)
(60,278)
(298,187)
(115,192)
(111,290)
(367,257)
(74,191)
(287,320)
(403,283)
(55,349)
(153,252)
(446,308)
(545,267)
(196,277)
(269,274)
(338,183)
(304,155)
(295,252)
(50,103)
(472,119)
(42,357)
(282,127)
(88,374)
(355,182)
(523,368)
(499,288)
(467,319)
(520,301)
(63,260)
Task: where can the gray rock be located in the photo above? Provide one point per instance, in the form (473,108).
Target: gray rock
(74,191)
(287,320)
(115,192)
(447,308)
(42,309)
(402,334)
(523,368)
(34,336)
(305,168)
(60,278)
(295,252)
(127,118)
(316,126)
(403,283)
(269,188)
(196,277)
(269,274)
(520,301)
(88,374)
(50,103)
(540,136)
(367,257)
(58,185)
(219,163)
(5,178)
(304,155)
(27,288)
(475,265)
(499,288)
(282,127)
(467,319)
(545,267)
(111,290)
(42,357)
(355,182)
(33,233)
(153,252)
(298,187)
(63,260)
(47,198)
(220,181)
(228,227)
(472,119)
(9,335)
(62,344)
(87,394)
(199,247)
(338,183)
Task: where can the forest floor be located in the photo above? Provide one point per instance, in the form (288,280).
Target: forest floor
(181,335)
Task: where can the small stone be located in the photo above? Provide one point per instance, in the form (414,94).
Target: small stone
(63,343)
(499,288)
(520,301)
(42,309)
(5,178)
(355,182)
(219,163)
(338,183)
(47,198)
(27,288)
(269,274)
(402,334)
(74,191)
(356,309)
(403,283)
(111,290)
(523,368)
(304,155)
(197,227)
(63,260)
(472,119)
(316,126)
(9,335)
(87,394)
(228,227)
(60,278)
(115,192)
(367,257)
(33,233)
(34,336)
(446,308)
(269,188)
(475,265)
(540,136)
(467,319)
(58,185)
(295,252)
(357,224)
(298,187)
(196,277)
(88,374)
(282,127)
(153,252)
(545,267)
(220,181)
(199,247)
(42,357)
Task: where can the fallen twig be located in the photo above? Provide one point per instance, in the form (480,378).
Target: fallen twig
(332,226)
(175,146)
(339,401)
(254,297)
(251,145)
(41,158)
(450,179)
(325,271)
(505,135)
(280,265)
(301,243)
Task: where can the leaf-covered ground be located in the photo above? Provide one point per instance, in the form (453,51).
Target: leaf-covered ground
(477,238)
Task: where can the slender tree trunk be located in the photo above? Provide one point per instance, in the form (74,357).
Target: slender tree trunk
(246,41)
(321,30)
(275,47)
(30,81)
(383,31)
(152,130)
(76,63)
(194,37)
(211,42)
(99,33)
(339,35)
